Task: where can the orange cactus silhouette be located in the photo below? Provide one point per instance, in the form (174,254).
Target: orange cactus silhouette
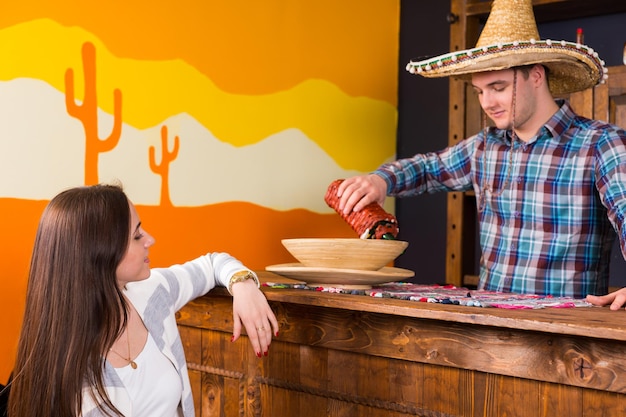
(87,113)
(163,169)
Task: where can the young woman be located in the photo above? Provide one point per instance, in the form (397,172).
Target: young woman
(99,336)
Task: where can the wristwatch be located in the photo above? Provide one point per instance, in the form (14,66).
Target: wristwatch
(241,276)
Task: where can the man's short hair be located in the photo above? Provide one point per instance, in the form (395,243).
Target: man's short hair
(525,70)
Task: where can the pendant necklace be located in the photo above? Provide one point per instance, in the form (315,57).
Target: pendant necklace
(131,362)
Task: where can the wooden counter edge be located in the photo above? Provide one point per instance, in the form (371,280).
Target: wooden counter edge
(594,322)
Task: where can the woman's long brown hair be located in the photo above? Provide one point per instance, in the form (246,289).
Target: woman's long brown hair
(74,308)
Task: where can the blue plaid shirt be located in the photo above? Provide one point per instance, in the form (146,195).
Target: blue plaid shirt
(548,208)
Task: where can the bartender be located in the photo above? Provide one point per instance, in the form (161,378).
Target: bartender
(550,185)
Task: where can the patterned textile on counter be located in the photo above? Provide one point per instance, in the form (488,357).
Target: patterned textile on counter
(449,294)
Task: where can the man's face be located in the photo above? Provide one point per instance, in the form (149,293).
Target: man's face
(495,94)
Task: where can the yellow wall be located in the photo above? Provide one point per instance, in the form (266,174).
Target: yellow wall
(231,119)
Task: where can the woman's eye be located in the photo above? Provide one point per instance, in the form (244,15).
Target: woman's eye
(138,236)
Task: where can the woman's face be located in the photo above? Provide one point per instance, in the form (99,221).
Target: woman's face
(135,265)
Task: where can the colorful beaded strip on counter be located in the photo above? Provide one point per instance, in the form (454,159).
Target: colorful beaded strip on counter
(449,294)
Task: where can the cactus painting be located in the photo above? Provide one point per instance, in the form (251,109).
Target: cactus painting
(163,168)
(87,113)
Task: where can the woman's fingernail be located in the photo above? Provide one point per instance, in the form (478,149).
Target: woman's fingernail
(276,335)
(265,353)
(258,354)
(232,338)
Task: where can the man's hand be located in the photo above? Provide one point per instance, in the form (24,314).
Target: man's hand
(616,299)
(357,192)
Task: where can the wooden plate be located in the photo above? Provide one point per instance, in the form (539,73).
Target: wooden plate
(341,278)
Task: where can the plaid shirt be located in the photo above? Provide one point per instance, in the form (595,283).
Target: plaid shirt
(548,208)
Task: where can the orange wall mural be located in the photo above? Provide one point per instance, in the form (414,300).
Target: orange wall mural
(224,121)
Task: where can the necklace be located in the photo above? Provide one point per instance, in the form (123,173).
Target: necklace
(131,362)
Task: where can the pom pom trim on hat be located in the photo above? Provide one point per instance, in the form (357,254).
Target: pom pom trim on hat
(479,59)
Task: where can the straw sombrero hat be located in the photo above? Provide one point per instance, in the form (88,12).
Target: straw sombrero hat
(509,39)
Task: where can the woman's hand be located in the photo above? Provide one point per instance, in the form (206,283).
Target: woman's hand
(250,308)
(616,299)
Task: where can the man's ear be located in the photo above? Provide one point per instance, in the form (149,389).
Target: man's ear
(538,74)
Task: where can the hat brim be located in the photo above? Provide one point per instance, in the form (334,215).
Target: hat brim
(573,67)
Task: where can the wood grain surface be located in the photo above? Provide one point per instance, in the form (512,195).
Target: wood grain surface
(353,355)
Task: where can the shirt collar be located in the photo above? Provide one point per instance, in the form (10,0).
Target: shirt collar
(558,123)
(561,120)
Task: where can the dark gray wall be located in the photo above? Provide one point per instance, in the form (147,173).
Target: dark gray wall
(422,127)
(423,122)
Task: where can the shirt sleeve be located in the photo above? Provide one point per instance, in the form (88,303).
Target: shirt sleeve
(190,280)
(611,178)
(446,170)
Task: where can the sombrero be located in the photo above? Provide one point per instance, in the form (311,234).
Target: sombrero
(510,38)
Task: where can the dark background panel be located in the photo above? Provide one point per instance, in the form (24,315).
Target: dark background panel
(422,127)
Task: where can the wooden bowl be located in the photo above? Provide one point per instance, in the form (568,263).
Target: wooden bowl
(345,253)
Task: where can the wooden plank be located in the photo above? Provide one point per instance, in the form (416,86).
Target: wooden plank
(602,404)
(601,102)
(617,80)
(459,29)
(467,392)
(456,130)
(513,397)
(618,110)
(212,399)
(582,102)
(192,344)
(454,239)
(592,322)
(404,383)
(227,357)
(284,364)
(471,280)
(578,361)
(213,396)
(562,400)
(344,363)
(440,386)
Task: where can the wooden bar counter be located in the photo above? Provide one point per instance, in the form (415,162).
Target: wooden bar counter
(353,355)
